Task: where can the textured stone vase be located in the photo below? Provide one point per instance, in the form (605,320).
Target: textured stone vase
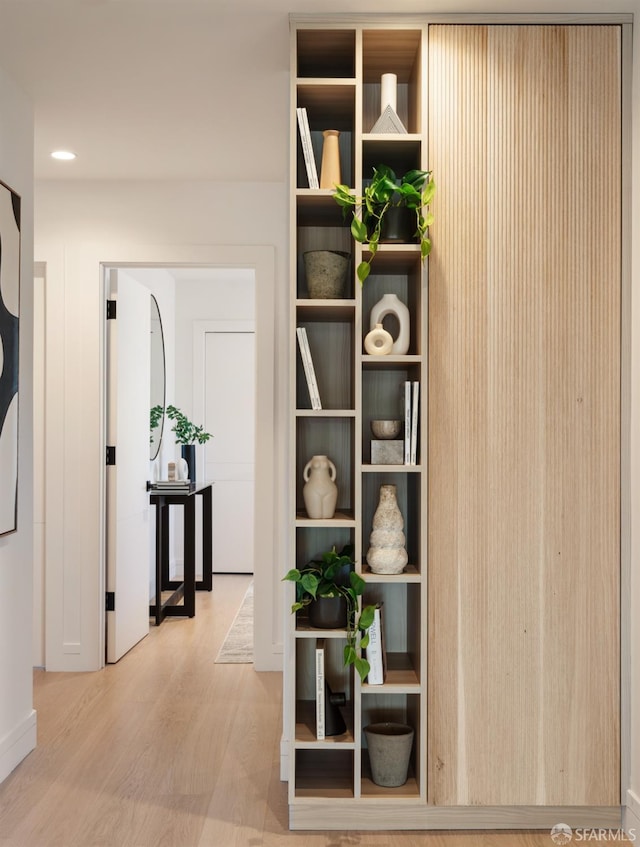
(387,552)
(390,304)
(326,273)
(389,752)
(320,492)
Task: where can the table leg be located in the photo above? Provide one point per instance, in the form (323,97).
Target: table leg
(190,556)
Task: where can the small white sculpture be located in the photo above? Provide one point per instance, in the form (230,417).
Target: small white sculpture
(378,342)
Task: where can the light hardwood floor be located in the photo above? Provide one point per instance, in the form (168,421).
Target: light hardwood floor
(168,749)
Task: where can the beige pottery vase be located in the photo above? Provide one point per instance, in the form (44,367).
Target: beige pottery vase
(320,492)
(387,552)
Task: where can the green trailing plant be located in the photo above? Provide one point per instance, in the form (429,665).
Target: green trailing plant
(414,191)
(327,577)
(185,431)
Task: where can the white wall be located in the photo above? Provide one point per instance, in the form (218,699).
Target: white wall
(113,222)
(17,717)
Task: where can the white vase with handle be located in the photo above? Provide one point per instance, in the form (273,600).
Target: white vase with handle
(320,492)
(391,304)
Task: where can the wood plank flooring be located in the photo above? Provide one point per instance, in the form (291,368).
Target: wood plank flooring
(168,749)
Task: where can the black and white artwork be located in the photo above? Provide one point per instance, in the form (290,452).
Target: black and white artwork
(9,325)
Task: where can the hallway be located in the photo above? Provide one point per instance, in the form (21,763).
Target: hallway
(168,749)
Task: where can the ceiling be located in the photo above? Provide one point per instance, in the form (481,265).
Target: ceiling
(172,89)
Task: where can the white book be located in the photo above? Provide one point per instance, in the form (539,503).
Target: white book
(320,689)
(309,370)
(407,423)
(375,650)
(414,422)
(307,148)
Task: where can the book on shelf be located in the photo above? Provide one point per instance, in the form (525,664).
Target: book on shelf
(320,689)
(415,396)
(376,651)
(407,422)
(309,370)
(307,147)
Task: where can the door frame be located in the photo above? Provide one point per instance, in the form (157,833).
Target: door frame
(75,578)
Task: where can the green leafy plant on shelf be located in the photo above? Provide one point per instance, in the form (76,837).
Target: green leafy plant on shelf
(333,576)
(414,191)
(185,431)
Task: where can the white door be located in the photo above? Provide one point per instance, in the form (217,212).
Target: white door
(229,382)
(128,338)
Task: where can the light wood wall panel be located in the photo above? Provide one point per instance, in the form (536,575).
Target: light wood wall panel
(524,415)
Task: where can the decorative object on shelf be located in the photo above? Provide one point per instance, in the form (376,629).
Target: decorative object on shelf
(330,166)
(187,434)
(414,191)
(326,273)
(389,120)
(389,746)
(10,204)
(332,576)
(387,553)
(320,492)
(390,304)
(378,342)
(386,429)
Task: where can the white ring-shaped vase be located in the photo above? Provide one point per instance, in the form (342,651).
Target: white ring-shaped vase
(378,342)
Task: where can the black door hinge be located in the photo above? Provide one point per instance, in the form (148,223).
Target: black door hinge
(111,310)
(110,605)
(111,455)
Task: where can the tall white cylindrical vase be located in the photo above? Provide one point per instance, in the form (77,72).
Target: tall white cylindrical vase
(388,92)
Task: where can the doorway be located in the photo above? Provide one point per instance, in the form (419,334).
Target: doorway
(210,374)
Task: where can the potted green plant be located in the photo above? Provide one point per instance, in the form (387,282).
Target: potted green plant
(187,435)
(333,580)
(386,191)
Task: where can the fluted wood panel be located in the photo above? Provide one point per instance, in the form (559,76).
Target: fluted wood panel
(524,415)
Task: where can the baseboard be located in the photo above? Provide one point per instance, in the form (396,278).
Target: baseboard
(631,815)
(17,744)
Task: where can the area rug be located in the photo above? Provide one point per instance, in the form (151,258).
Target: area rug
(237,647)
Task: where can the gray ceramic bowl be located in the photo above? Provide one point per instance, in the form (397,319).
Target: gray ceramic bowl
(386,429)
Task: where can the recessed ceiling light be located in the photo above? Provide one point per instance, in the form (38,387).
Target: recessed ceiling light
(66,155)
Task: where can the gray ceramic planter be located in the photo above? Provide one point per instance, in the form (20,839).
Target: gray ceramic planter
(389,752)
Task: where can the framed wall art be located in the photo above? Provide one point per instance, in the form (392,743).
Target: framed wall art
(9,336)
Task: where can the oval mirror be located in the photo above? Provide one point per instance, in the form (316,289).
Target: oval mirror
(158,380)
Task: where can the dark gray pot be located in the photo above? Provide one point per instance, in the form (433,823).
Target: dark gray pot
(328,613)
(189,455)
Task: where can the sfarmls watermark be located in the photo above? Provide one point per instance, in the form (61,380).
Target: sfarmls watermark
(563,834)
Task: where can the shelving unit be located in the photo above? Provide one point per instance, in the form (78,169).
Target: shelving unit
(506,620)
(337,79)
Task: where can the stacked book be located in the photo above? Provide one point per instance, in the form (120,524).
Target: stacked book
(173,486)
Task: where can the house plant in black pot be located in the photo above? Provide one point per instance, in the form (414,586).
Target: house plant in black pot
(187,435)
(386,195)
(329,589)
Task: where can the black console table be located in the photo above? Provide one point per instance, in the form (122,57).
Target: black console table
(185,589)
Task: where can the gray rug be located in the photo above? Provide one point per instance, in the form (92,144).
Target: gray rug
(237,647)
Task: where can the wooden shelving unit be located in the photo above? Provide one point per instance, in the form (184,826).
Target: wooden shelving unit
(337,78)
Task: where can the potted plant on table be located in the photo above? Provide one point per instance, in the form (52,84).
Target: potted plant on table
(332,583)
(187,434)
(386,192)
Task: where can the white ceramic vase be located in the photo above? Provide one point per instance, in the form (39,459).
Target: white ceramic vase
(378,342)
(320,492)
(387,553)
(390,304)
